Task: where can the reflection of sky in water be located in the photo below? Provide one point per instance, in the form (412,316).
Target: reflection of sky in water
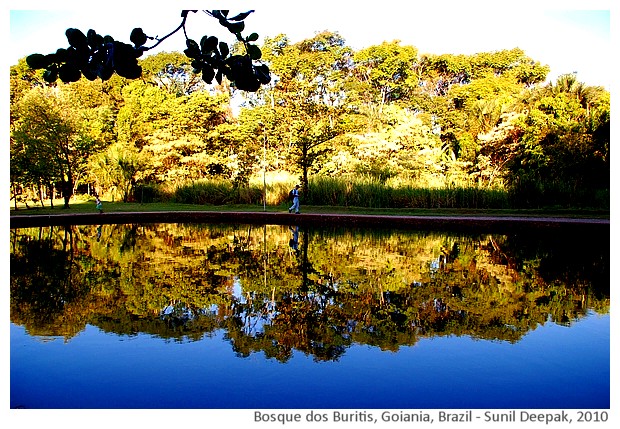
(254,324)
(553,366)
(237,290)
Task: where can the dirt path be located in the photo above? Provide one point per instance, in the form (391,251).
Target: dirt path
(467,223)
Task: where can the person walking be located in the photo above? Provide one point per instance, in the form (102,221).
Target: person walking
(295,195)
(99,205)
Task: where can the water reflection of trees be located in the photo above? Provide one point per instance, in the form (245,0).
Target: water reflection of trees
(332,289)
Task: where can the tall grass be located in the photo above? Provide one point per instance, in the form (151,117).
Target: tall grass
(368,192)
(529,193)
(216,192)
(372,193)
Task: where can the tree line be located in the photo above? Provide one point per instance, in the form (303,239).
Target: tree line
(385,114)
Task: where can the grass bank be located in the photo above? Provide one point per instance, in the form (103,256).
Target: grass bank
(82,205)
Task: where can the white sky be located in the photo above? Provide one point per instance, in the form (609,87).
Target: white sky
(569,36)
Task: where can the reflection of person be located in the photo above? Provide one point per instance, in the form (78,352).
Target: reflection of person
(99,232)
(99,205)
(294,241)
(295,205)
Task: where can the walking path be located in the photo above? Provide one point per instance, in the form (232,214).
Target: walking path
(494,223)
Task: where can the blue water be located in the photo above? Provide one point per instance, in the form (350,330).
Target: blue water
(552,366)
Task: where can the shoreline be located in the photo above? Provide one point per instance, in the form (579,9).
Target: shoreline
(447,222)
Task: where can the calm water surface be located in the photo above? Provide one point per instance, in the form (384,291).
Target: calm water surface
(216,316)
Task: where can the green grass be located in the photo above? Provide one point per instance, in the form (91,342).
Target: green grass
(81,206)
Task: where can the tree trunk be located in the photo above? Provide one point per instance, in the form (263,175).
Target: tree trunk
(52,190)
(304,171)
(41,196)
(14,194)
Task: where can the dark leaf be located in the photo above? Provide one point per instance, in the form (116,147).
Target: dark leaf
(62,55)
(129,71)
(76,38)
(208,74)
(90,72)
(254,52)
(50,76)
(191,44)
(69,73)
(52,58)
(139,51)
(105,73)
(124,52)
(79,55)
(94,39)
(239,62)
(248,83)
(37,61)
(138,37)
(218,77)
(233,27)
(193,50)
(241,16)
(262,74)
(185,12)
(208,44)
(227,71)
(252,38)
(224,49)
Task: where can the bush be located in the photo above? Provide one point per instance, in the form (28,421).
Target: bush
(150,193)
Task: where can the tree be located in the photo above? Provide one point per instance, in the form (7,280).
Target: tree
(117,169)
(172,71)
(309,134)
(174,131)
(51,137)
(560,144)
(309,94)
(94,56)
(386,73)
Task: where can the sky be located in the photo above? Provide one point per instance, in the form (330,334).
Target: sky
(569,36)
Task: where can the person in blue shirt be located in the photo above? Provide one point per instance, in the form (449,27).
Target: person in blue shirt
(295,206)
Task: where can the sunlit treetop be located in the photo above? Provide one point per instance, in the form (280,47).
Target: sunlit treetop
(94,56)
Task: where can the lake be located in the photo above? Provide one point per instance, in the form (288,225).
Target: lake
(214,316)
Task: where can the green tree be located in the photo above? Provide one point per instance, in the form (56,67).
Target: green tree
(560,145)
(52,138)
(309,93)
(386,74)
(172,71)
(117,170)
